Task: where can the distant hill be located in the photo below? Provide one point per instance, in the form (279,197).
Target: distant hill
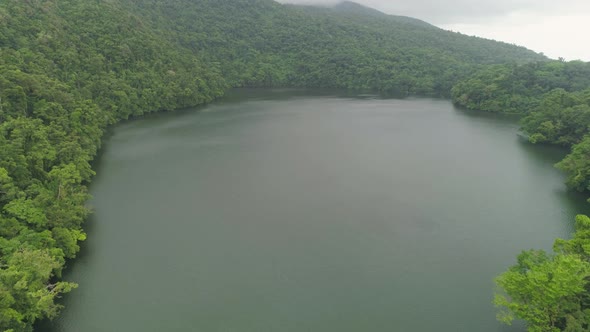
(263,43)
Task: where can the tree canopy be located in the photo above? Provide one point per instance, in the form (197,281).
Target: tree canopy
(550,292)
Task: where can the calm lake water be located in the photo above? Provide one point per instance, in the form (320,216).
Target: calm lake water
(293,211)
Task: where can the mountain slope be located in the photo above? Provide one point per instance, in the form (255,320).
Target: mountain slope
(263,43)
(69,69)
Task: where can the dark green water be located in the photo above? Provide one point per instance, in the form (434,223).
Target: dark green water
(286,211)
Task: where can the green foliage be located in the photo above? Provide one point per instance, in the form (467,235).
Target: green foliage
(551,293)
(519,88)
(543,291)
(580,243)
(265,44)
(69,69)
(577,166)
(561,118)
(26,294)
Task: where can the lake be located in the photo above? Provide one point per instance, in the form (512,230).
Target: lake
(287,210)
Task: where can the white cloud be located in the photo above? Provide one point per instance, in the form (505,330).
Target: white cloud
(464,11)
(555,35)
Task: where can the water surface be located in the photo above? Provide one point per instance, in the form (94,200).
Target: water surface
(293,211)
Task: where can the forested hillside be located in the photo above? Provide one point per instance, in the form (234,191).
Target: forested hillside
(263,43)
(519,88)
(69,69)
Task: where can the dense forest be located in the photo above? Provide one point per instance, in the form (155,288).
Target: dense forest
(263,43)
(69,69)
(550,291)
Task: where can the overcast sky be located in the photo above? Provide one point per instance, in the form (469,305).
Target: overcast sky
(558,28)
